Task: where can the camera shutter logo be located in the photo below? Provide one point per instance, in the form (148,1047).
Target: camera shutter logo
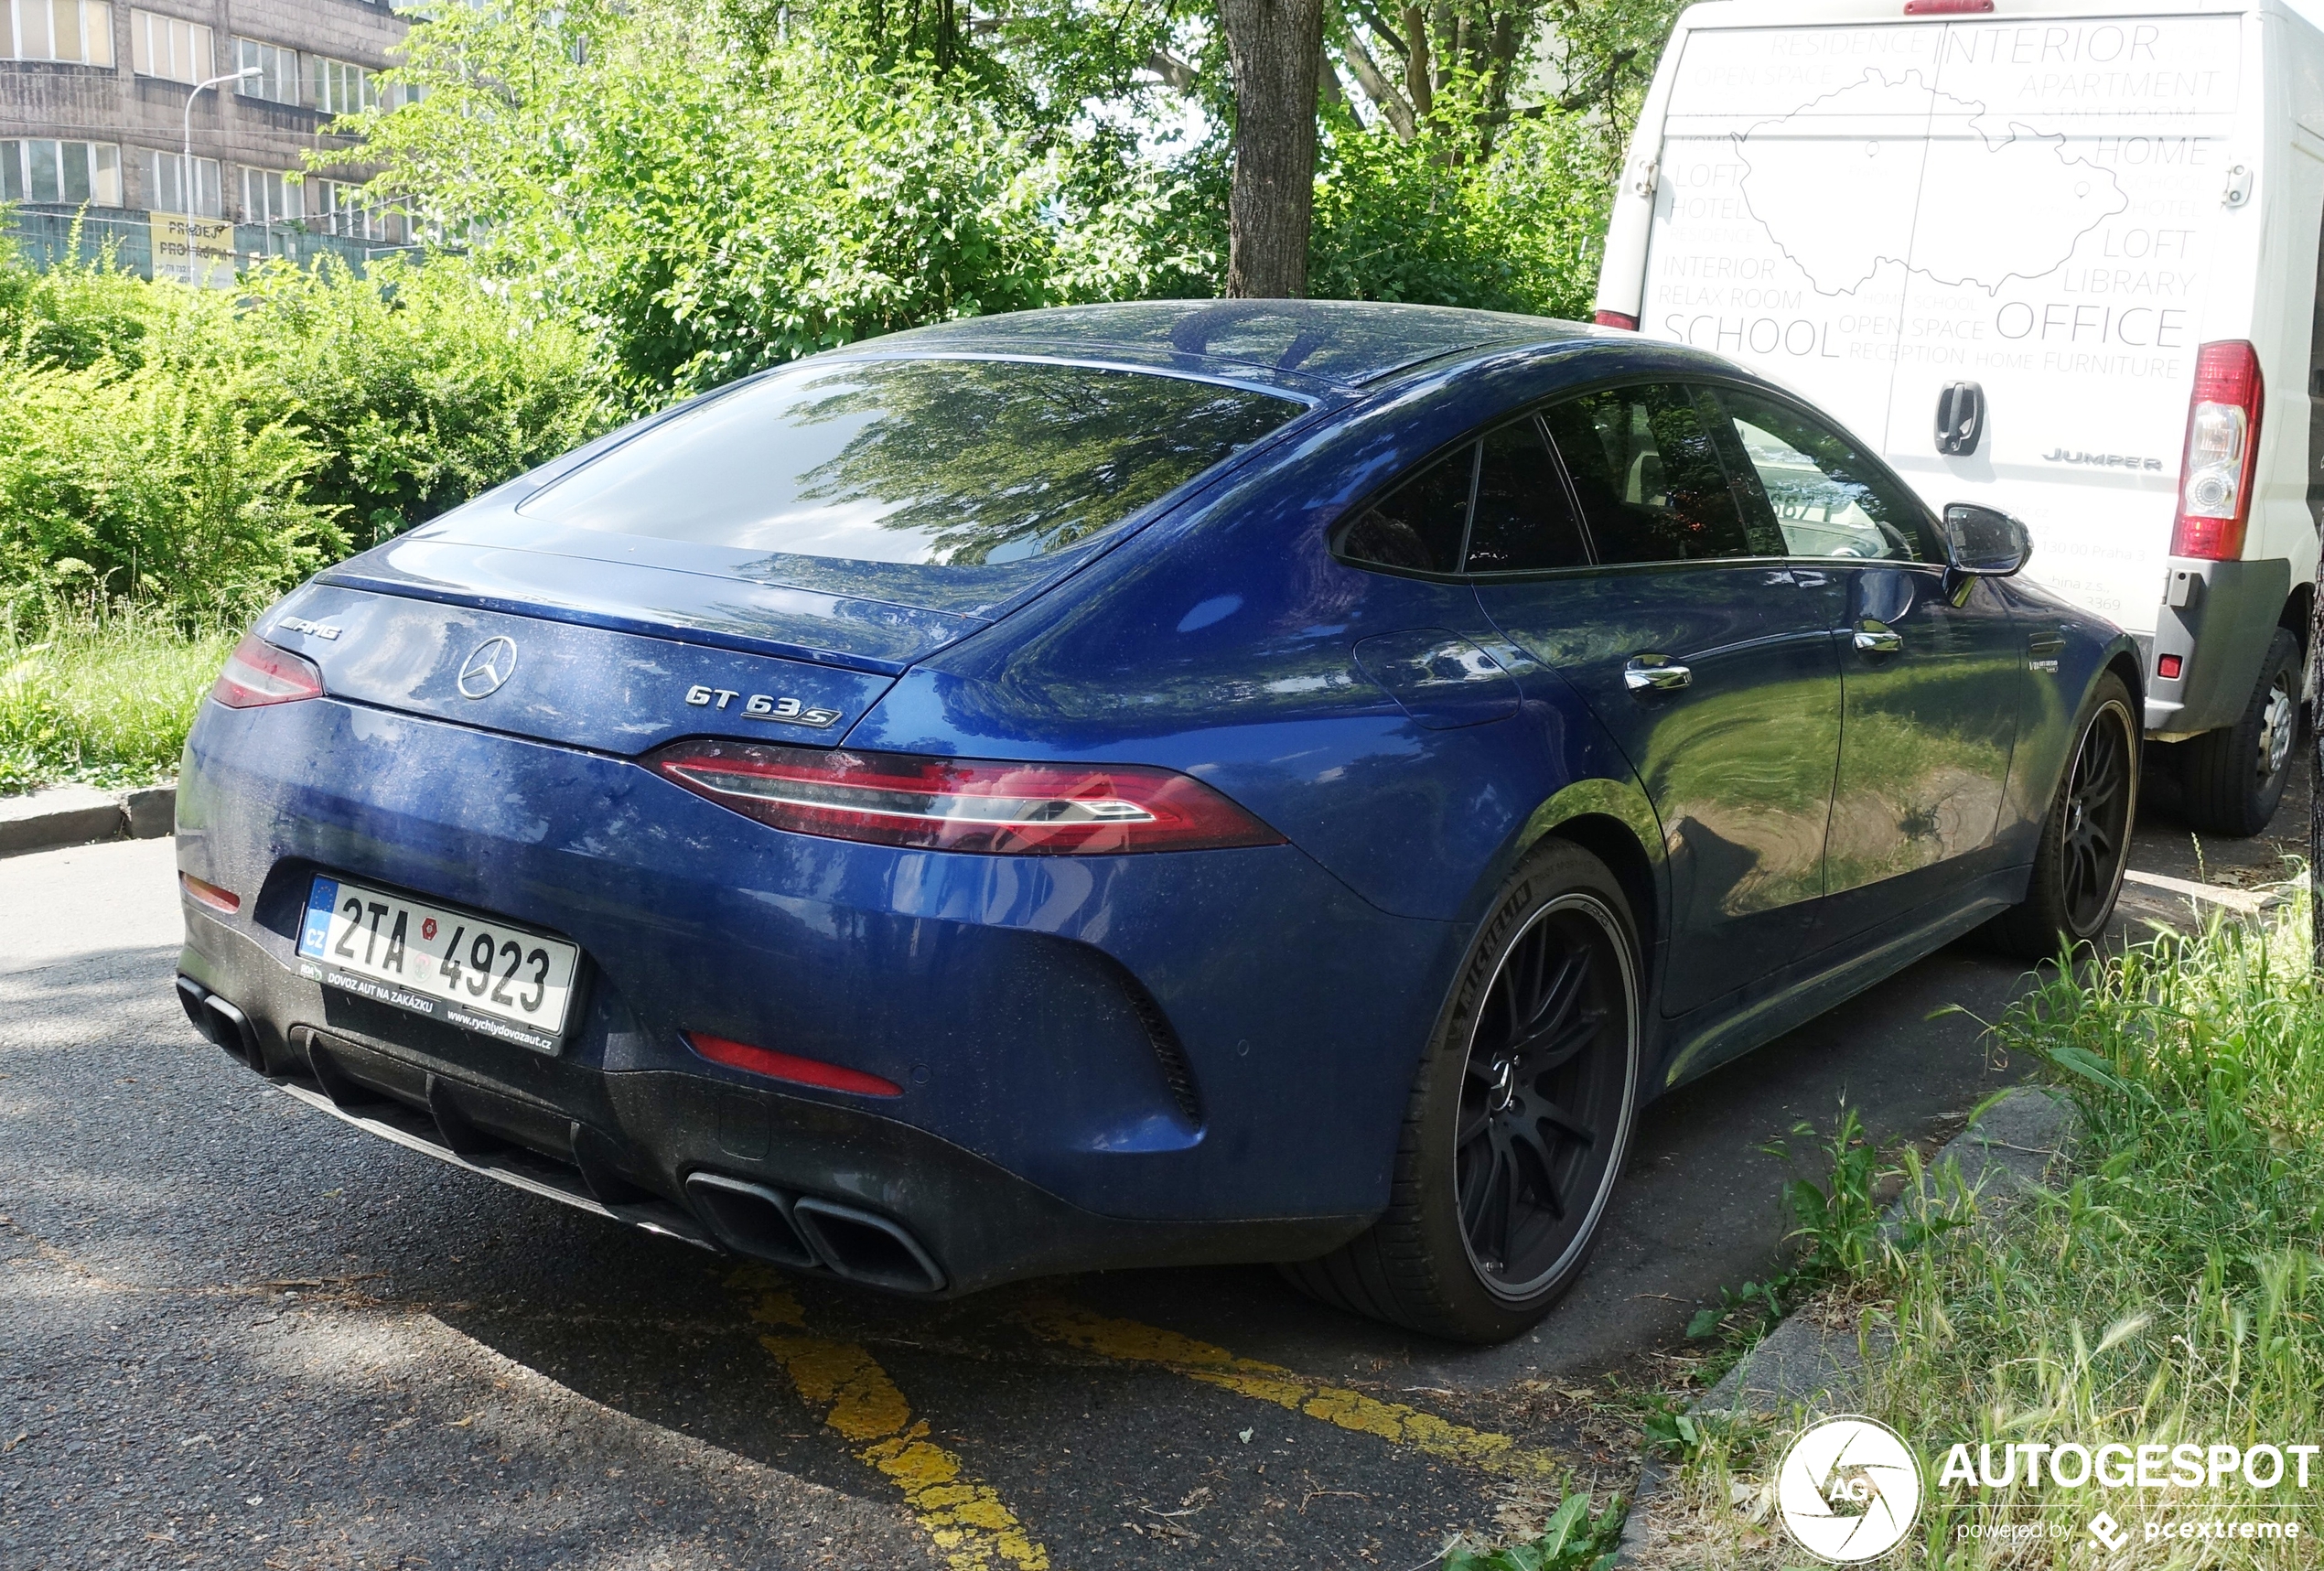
(493,663)
(1849,1489)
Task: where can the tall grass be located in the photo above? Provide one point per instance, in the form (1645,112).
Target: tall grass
(2164,1289)
(103,697)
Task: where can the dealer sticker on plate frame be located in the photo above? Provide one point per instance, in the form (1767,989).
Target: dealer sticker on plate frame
(477,972)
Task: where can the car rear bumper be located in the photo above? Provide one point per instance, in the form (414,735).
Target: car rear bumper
(1175,1058)
(747,1171)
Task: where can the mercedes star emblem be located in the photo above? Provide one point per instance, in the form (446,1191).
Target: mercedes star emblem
(493,663)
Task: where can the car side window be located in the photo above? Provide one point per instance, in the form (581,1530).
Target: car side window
(1648,477)
(1826,497)
(1419,524)
(1523,522)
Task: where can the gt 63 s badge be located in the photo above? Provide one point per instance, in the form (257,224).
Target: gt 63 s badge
(763,707)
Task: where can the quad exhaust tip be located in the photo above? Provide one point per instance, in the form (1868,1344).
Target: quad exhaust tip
(220,1023)
(806,1231)
(803,1232)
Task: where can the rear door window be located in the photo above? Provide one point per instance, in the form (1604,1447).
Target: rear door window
(1523,522)
(1648,477)
(938,462)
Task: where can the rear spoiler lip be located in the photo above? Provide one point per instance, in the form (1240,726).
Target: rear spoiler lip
(676,631)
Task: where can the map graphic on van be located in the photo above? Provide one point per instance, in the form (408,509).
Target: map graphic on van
(2056,199)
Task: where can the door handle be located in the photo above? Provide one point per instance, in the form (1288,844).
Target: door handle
(1873,637)
(1655,673)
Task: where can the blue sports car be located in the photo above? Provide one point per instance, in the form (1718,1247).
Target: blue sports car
(1145,784)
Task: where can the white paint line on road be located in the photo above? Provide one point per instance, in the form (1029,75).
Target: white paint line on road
(2249,902)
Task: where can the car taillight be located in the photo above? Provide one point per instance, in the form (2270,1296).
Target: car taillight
(790,1066)
(1615,319)
(963,804)
(2223,444)
(258,673)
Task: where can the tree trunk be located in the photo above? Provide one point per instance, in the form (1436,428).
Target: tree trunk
(1276,48)
(2316,778)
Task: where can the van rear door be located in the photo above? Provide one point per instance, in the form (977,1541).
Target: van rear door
(2015,219)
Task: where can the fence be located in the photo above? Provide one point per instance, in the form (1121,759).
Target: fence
(46,238)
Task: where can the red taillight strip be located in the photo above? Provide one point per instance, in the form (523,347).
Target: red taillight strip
(257,673)
(963,804)
(790,1066)
(210,895)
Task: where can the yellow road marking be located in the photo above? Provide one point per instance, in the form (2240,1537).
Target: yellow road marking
(966,1518)
(1127,1341)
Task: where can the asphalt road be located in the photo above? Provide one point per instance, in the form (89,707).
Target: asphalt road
(235,1332)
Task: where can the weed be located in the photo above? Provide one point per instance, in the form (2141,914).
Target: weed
(1572,1540)
(103,697)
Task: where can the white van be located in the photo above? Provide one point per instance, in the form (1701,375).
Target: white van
(2058,259)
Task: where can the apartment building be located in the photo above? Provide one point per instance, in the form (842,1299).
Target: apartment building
(93,96)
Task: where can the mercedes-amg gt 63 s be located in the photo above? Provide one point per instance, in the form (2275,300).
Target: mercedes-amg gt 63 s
(1134,785)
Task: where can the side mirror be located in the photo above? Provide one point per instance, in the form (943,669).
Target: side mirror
(1984,541)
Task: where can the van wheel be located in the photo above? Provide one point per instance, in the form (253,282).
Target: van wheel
(1519,1120)
(2232,777)
(2085,837)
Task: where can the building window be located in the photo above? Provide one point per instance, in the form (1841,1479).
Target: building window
(269,197)
(277,78)
(337,87)
(75,172)
(168,47)
(337,206)
(75,30)
(165,184)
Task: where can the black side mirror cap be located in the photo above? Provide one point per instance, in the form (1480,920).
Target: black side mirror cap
(1984,541)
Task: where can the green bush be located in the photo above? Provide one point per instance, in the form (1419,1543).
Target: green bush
(201,452)
(1517,227)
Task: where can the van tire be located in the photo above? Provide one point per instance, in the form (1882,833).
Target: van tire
(2231,779)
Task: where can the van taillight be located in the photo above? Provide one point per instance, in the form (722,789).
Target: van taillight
(2222,444)
(1615,319)
(1946,8)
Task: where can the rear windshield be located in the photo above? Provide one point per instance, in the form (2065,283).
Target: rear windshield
(928,462)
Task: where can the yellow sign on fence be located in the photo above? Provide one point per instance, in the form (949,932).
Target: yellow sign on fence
(197,250)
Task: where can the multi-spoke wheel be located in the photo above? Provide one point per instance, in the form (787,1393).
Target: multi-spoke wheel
(2097,821)
(1519,1120)
(1543,1096)
(2232,779)
(2085,840)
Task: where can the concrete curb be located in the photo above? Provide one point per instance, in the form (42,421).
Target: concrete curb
(76,815)
(1801,1363)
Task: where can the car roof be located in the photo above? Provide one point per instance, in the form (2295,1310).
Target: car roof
(1341,343)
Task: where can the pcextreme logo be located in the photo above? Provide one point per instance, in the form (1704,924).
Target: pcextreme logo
(1849,1489)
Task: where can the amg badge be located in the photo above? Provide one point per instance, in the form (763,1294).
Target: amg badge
(763,707)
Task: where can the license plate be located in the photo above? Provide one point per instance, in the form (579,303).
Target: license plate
(478,973)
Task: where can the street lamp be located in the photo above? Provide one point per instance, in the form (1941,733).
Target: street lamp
(186,168)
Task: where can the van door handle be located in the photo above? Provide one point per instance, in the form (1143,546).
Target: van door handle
(1655,673)
(1877,638)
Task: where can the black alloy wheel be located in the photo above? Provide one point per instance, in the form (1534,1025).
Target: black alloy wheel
(1543,1097)
(1519,1117)
(2097,825)
(2085,837)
